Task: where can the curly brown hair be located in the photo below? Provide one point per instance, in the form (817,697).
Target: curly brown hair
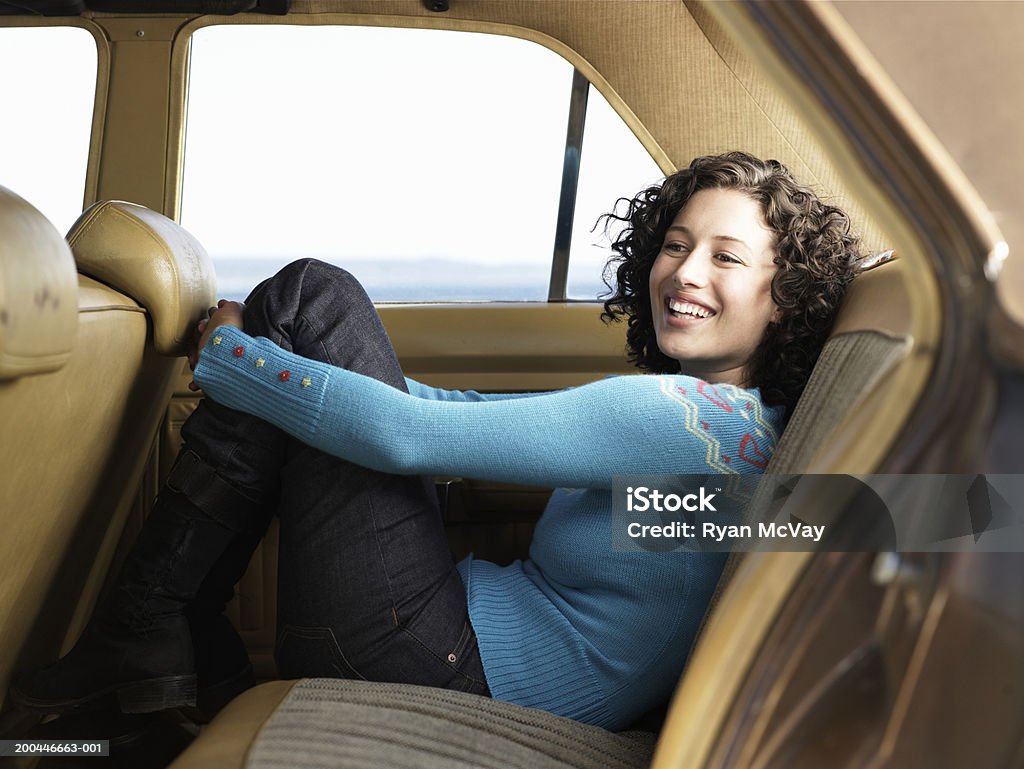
(816,256)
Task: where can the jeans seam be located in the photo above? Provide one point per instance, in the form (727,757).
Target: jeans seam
(309,633)
(383,560)
(299,315)
(317,335)
(460,645)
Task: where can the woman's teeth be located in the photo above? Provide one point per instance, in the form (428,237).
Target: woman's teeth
(689,308)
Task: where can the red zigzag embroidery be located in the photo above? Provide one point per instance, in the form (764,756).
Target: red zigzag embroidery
(717,399)
(759,459)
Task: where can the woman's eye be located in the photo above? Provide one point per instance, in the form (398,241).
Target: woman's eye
(728,258)
(675,248)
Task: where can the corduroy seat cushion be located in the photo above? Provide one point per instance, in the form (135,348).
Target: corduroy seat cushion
(337,723)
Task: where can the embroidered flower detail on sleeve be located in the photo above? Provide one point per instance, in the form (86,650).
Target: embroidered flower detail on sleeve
(218,339)
(260,363)
(306,381)
(285,375)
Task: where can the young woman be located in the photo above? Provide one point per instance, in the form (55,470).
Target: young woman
(729,274)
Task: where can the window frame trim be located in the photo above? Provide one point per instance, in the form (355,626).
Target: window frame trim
(573,158)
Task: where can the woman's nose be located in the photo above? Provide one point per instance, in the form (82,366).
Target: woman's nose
(693,270)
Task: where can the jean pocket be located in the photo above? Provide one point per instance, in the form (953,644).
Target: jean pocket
(463,659)
(311,652)
(468,663)
(455,654)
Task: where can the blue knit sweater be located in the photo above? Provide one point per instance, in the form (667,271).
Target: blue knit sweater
(577,629)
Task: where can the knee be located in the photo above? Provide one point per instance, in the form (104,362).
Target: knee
(301,287)
(304,275)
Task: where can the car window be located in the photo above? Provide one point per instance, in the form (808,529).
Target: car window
(44,142)
(614,164)
(429,163)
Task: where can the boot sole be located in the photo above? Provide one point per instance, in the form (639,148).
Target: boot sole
(147,696)
(157,694)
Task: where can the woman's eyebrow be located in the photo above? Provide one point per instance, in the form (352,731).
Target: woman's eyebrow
(730,238)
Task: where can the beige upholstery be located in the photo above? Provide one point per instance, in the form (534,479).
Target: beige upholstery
(226,741)
(870,337)
(877,301)
(38,289)
(150,258)
(76,439)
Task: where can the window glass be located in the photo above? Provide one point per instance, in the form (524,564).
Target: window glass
(426,162)
(48,91)
(613,165)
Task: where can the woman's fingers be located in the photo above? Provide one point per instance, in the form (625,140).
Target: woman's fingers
(220,304)
(232,316)
(226,313)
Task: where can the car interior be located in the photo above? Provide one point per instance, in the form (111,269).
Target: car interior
(810,659)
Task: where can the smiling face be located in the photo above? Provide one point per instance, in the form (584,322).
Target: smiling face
(711,285)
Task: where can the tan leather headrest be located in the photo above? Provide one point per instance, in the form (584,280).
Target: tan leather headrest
(151,259)
(877,300)
(38,291)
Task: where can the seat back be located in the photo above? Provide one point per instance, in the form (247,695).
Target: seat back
(869,340)
(88,361)
(870,337)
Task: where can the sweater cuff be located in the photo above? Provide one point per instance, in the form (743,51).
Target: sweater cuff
(254,375)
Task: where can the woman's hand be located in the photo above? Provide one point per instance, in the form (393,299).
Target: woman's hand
(226,313)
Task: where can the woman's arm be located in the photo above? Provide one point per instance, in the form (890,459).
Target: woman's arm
(577,438)
(420,390)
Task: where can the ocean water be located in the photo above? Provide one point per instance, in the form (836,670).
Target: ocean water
(408,280)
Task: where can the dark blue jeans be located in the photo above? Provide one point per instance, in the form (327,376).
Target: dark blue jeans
(367,587)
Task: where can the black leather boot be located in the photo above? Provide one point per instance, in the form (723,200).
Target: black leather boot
(137,648)
(223,668)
